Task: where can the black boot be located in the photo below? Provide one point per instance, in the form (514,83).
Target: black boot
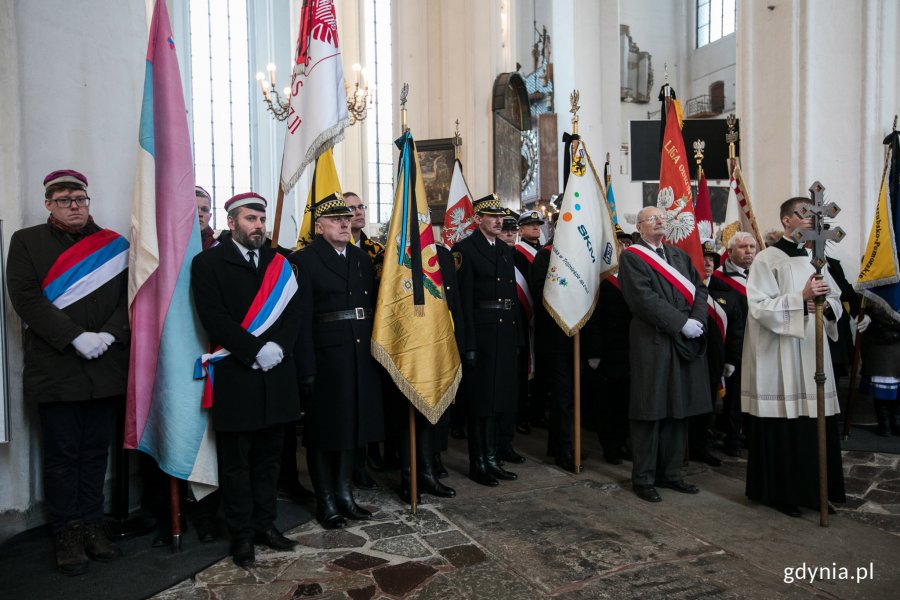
(428,479)
(321,471)
(883,414)
(361,477)
(491,460)
(344,489)
(405,491)
(439,469)
(894,412)
(478,471)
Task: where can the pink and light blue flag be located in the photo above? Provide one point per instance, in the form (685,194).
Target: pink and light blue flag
(164,417)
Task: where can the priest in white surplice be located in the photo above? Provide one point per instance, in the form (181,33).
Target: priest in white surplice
(778,388)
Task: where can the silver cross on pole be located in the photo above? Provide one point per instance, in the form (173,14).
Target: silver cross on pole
(820,232)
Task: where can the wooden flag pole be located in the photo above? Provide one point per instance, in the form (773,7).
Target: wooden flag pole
(278,204)
(175,505)
(413,468)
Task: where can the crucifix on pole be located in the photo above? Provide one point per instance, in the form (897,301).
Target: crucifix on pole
(816,237)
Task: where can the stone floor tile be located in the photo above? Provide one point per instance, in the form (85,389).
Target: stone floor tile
(463,556)
(225,571)
(439,587)
(386,530)
(425,521)
(363,593)
(445,539)
(883,496)
(858,486)
(310,567)
(272,591)
(856,456)
(852,503)
(356,561)
(407,546)
(336,538)
(490,580)
(868,472)
(889,475)
(399,580)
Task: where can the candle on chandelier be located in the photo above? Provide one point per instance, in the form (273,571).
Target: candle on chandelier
(271,69)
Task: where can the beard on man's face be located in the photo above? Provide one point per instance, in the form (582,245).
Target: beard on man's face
(253,240)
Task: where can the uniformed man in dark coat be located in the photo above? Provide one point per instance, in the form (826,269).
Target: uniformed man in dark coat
(486,275)
(604,343)
(526,248)
(668,364)
(255,385)
(76,359)
(335,364)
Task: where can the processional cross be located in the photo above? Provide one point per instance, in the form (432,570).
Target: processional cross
(817,235)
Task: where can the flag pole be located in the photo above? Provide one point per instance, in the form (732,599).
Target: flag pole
(175,513)
(413,469)
(576,339)
(278,204)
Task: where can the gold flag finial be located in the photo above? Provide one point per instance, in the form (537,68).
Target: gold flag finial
(404,92)
(699,148)
(732,137)
(457,141)
(573,99)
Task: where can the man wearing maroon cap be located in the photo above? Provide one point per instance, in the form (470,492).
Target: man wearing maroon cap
(68,282)
(254,383)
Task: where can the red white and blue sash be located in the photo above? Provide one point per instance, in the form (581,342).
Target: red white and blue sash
(278,287)
(85,267)
(678,281)
(614,280)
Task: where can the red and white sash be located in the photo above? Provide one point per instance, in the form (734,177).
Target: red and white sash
(526,250)
(614,280)
(734,282)
(717,316)
(525,300)
(678,281)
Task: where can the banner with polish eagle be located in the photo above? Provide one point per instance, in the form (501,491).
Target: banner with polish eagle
(318,112)
(459,220)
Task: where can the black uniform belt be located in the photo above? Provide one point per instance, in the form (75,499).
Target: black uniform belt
(357,314)
(505,304)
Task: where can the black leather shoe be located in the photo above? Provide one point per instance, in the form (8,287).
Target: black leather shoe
(511,456)
(364,481)
(707,458)
(206,529)
(243,554)
(483,477)
(523,427)
(431,485)
(679,486)
(647,492)
(272,538)
(566,463)
(791,510)
(351,510)
(331,521)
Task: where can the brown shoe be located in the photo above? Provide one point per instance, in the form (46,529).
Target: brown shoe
(70,556)
(97,544)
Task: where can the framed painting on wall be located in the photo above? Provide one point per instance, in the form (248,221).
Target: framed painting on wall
(436,161)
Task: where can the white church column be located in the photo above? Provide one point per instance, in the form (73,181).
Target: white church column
(817,90)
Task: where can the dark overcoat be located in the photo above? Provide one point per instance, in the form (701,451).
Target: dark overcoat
(719,351)
(549,338)
(345,411)
(663,384)
(223,284)
(605,335)
(486,273)
(53,371)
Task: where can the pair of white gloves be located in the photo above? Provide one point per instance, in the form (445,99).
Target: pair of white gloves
(91,345)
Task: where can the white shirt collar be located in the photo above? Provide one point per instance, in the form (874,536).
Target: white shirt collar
(243,249)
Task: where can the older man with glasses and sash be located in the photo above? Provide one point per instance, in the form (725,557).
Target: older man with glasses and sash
(68,282)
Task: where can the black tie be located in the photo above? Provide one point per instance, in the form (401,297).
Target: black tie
(252,255)
(661,252)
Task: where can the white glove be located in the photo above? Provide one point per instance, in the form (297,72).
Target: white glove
(107,337)
(89,345)
(728,371)
(269,356)
(863,324)
(593,363)
(692,329)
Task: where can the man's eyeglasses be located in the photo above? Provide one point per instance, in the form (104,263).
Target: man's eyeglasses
(359,207)
(67,202)
(652,218)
